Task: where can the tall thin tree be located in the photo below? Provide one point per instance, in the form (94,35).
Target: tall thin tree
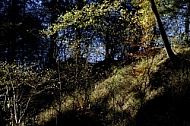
(169,50)
(187,18)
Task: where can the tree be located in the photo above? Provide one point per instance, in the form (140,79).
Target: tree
(54,7)
(187,22)
(20,26)
(176,9)
(20,90)
(107,20)
(169,50)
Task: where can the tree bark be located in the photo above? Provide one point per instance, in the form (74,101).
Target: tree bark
(77,54)
(187,24)
(13,19)
(169,50)
(52,56)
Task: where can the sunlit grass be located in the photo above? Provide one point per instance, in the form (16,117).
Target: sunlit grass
(129,87)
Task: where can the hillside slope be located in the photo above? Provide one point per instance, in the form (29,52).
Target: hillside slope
(149,92)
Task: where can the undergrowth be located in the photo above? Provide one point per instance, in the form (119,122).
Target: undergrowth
(121,98)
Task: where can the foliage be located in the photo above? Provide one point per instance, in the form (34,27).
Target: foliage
(107,92)
(98,17)
(19,87)
(147,20)
(118,100)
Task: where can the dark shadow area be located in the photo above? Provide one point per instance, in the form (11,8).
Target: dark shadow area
(3,117)
(158,79)
(73,118)
(94,116)
(99,114)
(42,101)
(170,107)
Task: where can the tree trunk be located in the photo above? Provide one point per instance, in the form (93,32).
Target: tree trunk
(13,19)
(187,24)
(77,54)
(108,44)
(170,53)
(52,49)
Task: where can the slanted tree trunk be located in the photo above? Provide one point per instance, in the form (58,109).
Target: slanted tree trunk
(169,50)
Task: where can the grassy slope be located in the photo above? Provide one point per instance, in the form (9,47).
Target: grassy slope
(148,92)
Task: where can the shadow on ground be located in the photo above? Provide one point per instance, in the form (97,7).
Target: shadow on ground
(166,110)
(85,81)
(171,107)
(99,114)
(73,118)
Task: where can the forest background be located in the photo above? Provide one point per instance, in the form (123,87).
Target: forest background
(94,62)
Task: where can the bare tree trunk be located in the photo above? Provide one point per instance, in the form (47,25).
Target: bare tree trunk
(13,19)
(187,24)
(170,52)
(52,49)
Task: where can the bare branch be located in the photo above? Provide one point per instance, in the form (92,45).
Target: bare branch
(24,110)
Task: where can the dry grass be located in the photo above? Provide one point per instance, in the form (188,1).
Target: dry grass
(129,86)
